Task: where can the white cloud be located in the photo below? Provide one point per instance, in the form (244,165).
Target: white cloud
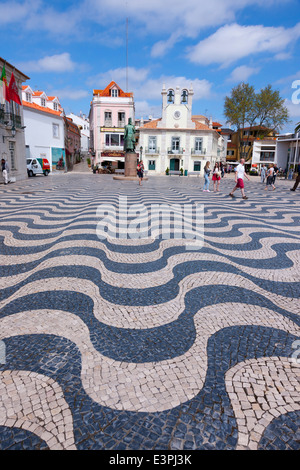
(119,75)
(147,88)
(37,15)
(162,47)
(242,73)
(293,109)
(14,12)
(55,63)
(144,109)
(233,42)
(174,18)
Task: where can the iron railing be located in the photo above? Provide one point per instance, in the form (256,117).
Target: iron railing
(172,151)
(198,152)
(154,151)
(10,119)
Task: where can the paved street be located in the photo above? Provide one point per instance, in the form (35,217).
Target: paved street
(142,344)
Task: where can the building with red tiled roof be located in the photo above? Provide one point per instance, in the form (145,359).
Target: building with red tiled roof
(179,140)
(109,91)
(110,110)
(245,139)
(72,142)
(45,129)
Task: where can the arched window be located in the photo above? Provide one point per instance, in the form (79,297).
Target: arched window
(170,96)
(184,96)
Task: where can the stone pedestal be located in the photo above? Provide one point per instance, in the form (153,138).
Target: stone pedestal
(130,174)
(131,159)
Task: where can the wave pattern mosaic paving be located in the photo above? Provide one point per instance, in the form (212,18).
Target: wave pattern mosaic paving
(134,343)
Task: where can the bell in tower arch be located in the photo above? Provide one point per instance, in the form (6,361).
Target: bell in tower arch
(171,96)
(184,96)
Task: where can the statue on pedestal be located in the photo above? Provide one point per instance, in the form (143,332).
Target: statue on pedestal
(131,157)
(129,137)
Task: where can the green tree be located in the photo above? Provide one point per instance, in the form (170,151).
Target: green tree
(239,109)
(265,109)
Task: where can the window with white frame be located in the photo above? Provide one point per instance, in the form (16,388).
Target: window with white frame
(55,128)
(107,118)
(152,143)
(114,140)
(43,102)
(198,144)
(28,97)
(121,119)
(114,93)
(175,144)
(55,106)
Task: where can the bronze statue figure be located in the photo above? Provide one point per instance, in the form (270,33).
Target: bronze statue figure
(129,137)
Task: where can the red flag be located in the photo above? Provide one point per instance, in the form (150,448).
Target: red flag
(13,90)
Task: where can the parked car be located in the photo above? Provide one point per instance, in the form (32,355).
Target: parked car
(38,166)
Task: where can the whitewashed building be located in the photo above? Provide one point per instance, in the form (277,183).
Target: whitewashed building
(12,140)
(179,140)
(263,152)
(44,121)
(288,151)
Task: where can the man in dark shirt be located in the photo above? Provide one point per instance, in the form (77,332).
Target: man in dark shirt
(5,170)
(297,179)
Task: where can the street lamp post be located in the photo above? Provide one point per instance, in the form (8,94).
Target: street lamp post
(13,133)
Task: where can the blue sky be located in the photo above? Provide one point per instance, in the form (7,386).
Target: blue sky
(68,48)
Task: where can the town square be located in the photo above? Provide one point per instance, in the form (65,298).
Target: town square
(150,230)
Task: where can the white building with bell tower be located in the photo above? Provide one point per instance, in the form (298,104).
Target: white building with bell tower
(178,140)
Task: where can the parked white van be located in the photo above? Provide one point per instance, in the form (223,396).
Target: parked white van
(38,166)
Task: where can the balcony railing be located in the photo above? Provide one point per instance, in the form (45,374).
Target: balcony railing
(289,136)
(172,151)
(121,123)
(152,151)
(108,123)
(198,152)
(10,119)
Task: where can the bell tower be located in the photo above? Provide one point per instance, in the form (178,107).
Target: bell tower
(191,124)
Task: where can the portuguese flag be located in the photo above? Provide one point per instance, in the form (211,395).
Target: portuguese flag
(4,92)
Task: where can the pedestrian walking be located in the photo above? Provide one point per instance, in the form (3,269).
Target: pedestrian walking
(222,169)
(297,179)
(140,171)
(207,171)
(5,170)
(239,179)
(270,177)
(275,173)
(216,177)
(263,172)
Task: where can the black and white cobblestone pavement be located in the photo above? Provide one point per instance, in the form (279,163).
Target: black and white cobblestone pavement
(134,344)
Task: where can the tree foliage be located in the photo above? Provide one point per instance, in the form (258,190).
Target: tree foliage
(247,108)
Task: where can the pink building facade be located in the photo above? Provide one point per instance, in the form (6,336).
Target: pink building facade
(110,111)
